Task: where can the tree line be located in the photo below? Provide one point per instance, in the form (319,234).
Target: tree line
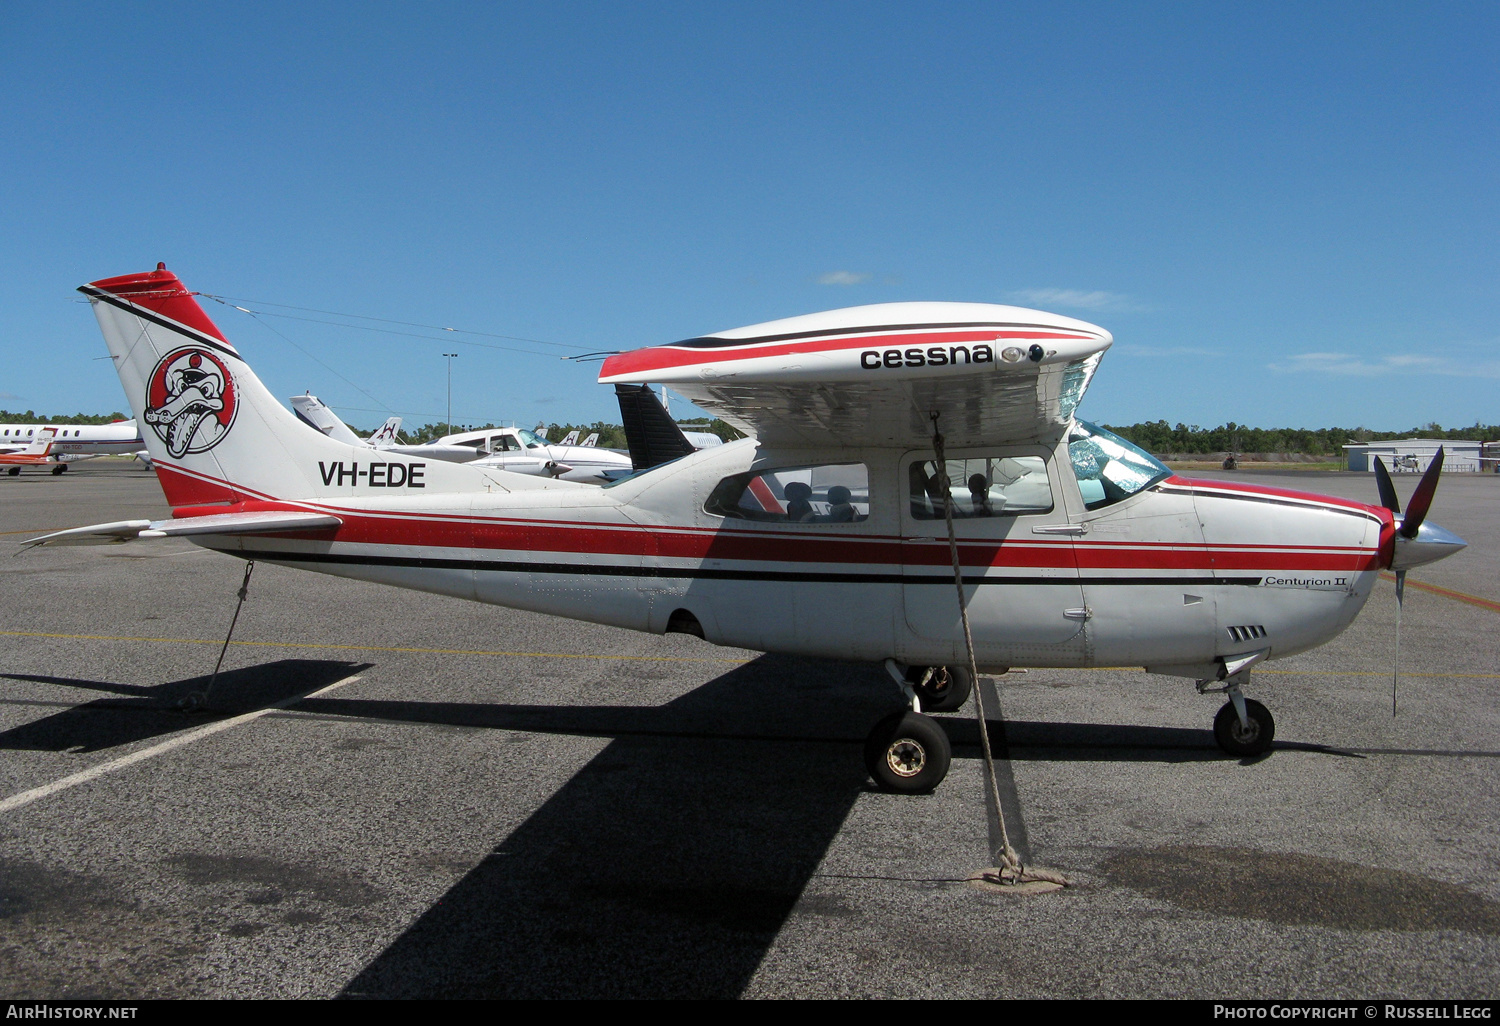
(1161,437)
(29,417)
(1154,436)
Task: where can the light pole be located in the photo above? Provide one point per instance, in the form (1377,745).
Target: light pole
(450,357)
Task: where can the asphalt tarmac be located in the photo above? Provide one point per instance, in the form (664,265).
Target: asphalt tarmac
(400,795)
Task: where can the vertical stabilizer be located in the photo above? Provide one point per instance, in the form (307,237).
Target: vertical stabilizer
(312,412)
(215,434)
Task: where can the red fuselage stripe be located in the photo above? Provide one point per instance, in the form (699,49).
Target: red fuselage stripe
(666,357)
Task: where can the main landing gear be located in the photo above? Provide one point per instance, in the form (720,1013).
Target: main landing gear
(1243,726)
(59,469)
(907,752)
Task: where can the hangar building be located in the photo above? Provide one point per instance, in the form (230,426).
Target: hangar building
(1412,455)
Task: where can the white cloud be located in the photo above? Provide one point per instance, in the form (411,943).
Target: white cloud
(9,395)
(1349,365)
(843,278)
(1081,299)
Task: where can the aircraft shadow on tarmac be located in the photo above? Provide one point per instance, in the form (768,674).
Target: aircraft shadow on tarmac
(668,864)
(143,712)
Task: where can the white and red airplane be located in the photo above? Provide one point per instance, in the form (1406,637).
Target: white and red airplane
(824,533)
(120,438)
(36,453)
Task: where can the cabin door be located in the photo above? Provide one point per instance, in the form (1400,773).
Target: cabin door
(1021,583)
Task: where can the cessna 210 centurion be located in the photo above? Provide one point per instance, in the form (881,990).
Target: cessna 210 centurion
(824,533)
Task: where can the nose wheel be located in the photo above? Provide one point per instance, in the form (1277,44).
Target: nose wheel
(908,753)
(1251,737)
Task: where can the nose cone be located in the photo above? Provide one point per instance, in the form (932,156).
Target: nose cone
(1431,544)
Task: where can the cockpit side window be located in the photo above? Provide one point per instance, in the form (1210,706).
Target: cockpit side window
(1108,467)
(828,494)
(982,486)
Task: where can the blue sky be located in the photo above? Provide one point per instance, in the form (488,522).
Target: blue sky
(1285,213)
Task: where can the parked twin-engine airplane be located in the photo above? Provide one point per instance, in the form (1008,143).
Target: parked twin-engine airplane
(825,533)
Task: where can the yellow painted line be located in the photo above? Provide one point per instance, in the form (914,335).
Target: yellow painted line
(372,648)
(1457,596)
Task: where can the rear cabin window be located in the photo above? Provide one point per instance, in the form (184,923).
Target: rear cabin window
(982,486)
(837,493)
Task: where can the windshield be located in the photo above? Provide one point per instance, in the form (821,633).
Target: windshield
(1109,468)
(531,440)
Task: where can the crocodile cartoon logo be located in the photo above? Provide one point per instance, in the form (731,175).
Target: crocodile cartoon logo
(190,401)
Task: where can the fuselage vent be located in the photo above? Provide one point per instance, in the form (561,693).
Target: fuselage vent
(1247,632)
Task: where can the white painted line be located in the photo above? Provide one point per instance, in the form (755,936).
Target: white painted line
(15,801)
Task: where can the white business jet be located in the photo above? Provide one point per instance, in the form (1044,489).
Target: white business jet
(74,441)
(825,533)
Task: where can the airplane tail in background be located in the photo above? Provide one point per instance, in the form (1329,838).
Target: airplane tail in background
(388,434)
(215,434)
(311,411)
(41,445)
(653,436)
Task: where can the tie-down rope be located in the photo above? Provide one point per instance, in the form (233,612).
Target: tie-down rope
(1010,869)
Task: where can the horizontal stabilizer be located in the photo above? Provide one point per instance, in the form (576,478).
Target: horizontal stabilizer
(217,523)
(98,534)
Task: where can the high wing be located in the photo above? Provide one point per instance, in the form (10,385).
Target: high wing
(873,375)
(267,522)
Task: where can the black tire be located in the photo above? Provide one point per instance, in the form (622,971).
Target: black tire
(1236,740)
(14,471)
(949,688)
(59,469)
(908,753)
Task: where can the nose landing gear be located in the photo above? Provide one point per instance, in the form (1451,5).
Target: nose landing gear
(1242,726)
(1251,737)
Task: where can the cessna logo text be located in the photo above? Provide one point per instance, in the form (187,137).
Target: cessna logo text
(376,475)
(933,356)
(190,401)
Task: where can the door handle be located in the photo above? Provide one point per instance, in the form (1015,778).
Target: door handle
(1079,614)
(1061,529)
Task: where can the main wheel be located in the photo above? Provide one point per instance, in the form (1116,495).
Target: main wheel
(1237,740)
(948,688)
(14,471)
(908,753)
(59,469)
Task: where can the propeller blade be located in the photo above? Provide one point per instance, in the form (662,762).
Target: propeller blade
(1396,657)
(1387,490)
(1416,509)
